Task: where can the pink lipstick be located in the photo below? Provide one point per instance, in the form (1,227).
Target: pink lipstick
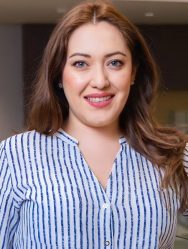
(99,99)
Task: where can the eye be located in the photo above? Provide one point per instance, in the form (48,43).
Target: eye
(79,64)
(116,63)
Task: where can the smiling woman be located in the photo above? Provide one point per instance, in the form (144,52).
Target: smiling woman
(96,77)
(93,170)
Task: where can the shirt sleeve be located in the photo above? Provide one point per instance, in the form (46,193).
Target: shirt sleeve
(185,158)
(9,212)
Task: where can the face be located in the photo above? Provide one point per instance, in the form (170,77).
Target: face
(97,75)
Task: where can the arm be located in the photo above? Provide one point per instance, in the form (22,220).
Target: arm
(185,163)
(9,210)
(185,158)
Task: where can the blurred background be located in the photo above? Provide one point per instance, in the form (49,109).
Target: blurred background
(24,30)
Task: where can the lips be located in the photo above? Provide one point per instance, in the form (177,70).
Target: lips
(95,95)
(99,99)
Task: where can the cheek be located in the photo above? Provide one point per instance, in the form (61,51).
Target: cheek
(72,83)
(123,78)
(123,86)
(123,82)
(67,76)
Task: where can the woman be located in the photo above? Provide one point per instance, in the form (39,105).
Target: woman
(94,170)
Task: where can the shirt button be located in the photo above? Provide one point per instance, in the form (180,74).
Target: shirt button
(107,243)
(105,205)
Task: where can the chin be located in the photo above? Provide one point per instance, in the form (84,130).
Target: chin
(99,124)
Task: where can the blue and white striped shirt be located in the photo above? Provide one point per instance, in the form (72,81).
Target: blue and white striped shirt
(50,198)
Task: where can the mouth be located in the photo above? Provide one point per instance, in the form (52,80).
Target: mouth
(99,100)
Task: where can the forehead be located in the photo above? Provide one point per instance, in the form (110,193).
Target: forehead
(97,38)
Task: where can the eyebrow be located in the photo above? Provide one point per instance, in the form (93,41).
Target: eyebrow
(106,56)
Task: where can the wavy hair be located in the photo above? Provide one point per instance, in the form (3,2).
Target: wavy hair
(49,108)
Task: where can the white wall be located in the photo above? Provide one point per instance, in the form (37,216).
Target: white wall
(11,82)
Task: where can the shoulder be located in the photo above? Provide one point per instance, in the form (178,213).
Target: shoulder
(25,141)
(21,137)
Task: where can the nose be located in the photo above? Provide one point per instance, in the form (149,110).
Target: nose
(100,79)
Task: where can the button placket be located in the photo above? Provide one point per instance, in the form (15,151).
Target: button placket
(106,207)
(107,243)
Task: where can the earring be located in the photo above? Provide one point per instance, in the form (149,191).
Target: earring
(60,85)
(132,83)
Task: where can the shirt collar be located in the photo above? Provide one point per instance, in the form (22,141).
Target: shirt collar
(67,138)
(122,140)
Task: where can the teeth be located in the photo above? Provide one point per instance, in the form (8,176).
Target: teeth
(95,100)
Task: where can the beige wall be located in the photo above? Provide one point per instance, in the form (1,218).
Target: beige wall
(11,83)
(170,101)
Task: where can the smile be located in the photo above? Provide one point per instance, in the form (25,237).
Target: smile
(97,100)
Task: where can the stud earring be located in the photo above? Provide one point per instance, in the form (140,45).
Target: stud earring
(60,85)
(132,83)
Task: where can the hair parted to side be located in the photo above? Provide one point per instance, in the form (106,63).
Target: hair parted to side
(49,107)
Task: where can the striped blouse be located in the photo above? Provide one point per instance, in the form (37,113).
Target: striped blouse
(50,198)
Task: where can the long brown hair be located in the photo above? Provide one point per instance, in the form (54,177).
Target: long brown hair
(49,107)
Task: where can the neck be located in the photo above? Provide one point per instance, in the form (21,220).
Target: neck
(82,132)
